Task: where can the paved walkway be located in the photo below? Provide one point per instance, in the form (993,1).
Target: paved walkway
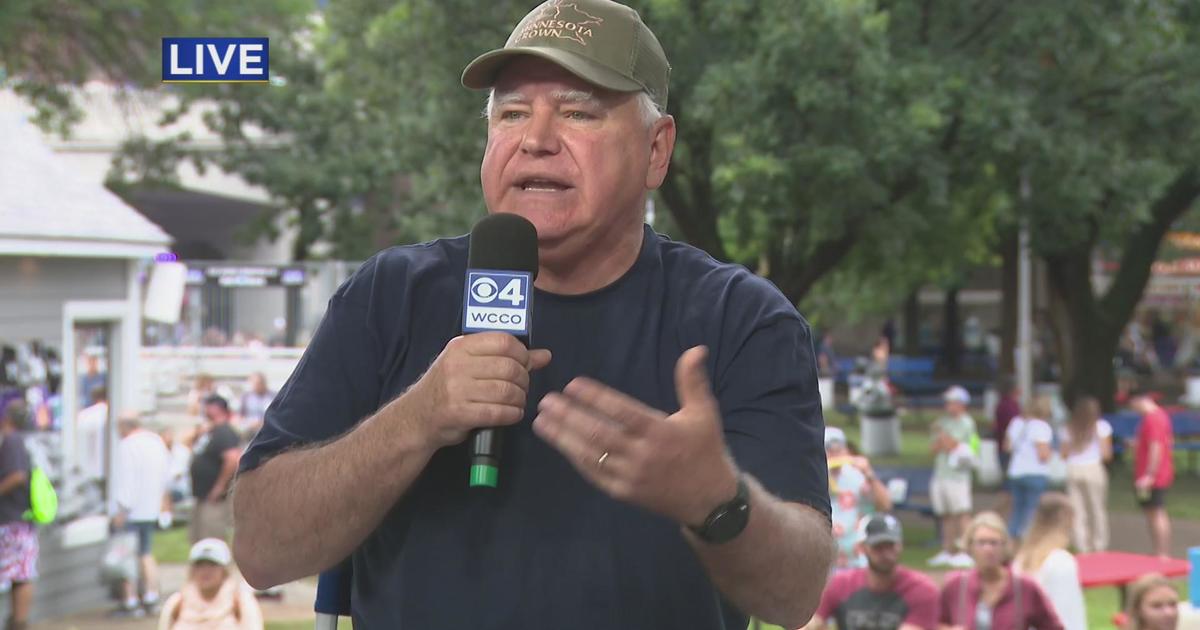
(1129,531)
(295,605)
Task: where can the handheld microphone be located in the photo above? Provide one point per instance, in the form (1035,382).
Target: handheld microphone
(501,267)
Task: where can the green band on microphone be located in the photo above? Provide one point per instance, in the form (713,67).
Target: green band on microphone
(484,475)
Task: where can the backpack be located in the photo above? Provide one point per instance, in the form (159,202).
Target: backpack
(43,500)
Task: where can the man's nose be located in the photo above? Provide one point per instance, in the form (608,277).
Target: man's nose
(541,134)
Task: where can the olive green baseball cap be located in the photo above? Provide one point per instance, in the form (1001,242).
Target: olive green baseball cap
(599,41)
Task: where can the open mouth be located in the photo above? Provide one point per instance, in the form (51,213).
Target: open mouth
(541,184)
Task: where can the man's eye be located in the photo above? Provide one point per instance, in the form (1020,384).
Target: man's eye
(511,114)
(579,115)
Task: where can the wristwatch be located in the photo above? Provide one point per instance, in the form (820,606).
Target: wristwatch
(728,519)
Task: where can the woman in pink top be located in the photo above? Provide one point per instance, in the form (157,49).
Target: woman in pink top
(212,599)
(990,596)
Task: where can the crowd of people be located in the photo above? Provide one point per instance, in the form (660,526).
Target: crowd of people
(160,475)
(1003,572)
(155,471)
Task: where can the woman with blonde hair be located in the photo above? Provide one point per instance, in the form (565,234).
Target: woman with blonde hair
(1086,442)
(991,596)
(1152,604)
(1028,439)
(1043,556)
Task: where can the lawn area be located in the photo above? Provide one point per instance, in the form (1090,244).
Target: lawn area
(172,546)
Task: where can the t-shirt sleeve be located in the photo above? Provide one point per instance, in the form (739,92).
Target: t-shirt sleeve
(771,410)
(948,598)
(224,439)
(832,597)
(1042,615)
(923,606)
(1103,429)
(1014,427)
(13,456)
(1157,428)
(335,384)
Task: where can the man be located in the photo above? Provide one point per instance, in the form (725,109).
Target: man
(91,425)
(141,492)
(91,378)
(254,404)
(18,537)
(884,595)
(634,492)
(214,462)
(1154,468)
(950,487)
(854,491)
(1008,406)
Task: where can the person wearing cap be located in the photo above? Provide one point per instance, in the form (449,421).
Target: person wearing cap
(214,463)
(213,598)
(950,487)
(884,595)
(854,491)
(662,464)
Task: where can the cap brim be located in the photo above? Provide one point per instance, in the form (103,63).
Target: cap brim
(882,538)
(482,72)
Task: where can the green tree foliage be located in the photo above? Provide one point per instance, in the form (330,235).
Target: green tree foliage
(849,150)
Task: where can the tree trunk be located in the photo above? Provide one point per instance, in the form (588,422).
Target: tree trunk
(1089,328)
(951,335)
(912,323)
(1009,252)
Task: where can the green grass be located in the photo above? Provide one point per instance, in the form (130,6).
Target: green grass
(1179,501)
(171,546)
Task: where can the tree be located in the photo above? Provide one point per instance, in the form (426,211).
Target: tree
(49,46)
(1108,143)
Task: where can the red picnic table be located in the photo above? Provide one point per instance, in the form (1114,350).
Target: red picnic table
(1118,568)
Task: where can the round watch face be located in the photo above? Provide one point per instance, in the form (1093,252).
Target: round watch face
(729,523)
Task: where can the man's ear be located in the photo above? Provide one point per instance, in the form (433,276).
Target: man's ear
(662,145)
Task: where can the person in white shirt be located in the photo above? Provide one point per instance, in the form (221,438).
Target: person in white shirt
(1086,443)
(142,476)
(1044,557)
(91,424)
(1028,439)
(180,466)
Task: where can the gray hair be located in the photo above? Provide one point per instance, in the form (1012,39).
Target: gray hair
(649,110)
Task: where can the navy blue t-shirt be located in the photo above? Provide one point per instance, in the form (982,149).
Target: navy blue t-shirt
(546,549)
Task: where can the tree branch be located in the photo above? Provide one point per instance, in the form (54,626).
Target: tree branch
(1141,248)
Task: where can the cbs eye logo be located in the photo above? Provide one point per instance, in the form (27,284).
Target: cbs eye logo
(484,290)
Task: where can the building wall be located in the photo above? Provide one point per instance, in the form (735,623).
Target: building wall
(33,290)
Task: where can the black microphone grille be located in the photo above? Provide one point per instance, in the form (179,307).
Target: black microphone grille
(504,241)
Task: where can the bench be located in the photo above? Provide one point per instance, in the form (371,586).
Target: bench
(913,378)
(909,488)
(1185,424)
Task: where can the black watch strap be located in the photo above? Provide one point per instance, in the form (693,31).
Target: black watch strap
(728,519)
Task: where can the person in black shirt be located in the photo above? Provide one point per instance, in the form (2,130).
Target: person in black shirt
(665,395)
(214,462)
(18,536)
